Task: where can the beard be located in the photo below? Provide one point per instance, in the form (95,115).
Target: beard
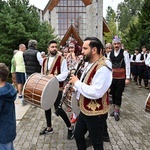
(53,53)
(88,57)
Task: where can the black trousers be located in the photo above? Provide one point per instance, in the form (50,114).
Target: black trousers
(143,74)
(105,132)
(95,126)
(135,71)
(62,113)
(148,70)
(117,88)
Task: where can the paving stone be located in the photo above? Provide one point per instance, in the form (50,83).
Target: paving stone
(132,132)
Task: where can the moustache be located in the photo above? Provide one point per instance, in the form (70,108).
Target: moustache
(116,46)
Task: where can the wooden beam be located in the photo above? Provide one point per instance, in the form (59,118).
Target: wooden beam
(71,31)
(105,27)
(50,5)
(87,2)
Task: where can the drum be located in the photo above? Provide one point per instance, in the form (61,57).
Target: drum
(147,103)
(41,90)
(67,99)
(75,104)
(71,102)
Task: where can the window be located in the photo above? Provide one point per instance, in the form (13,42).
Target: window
(71,12)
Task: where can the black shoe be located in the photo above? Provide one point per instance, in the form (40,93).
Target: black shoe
(45,131)
(146,87)
(106,139)
(116,115)
(20,96)
(88,141)
(112,114)
(70,133)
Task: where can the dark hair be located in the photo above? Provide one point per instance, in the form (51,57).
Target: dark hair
(95,42)
(144,47)
(136,49)
(50,42)
(4,72)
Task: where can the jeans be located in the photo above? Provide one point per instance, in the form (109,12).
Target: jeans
(7,146)
(95,126)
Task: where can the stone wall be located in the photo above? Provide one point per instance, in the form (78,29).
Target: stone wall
(39,11)
(47,16)
(94,19)
(54,20)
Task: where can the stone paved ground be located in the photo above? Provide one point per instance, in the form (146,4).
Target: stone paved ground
(132,132)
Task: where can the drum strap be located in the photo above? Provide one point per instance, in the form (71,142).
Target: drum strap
(55,67)
(47,66)
(44,61)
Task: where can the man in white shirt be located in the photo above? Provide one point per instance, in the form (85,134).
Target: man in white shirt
(142,68)
(92,94)
(121,75)
(135,59)
(56,65)
(147,62)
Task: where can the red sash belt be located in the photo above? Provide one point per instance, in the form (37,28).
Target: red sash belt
(141,63)
(119,73)
(135,63)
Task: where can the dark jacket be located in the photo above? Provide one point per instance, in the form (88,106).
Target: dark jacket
(7,113)
(31,63)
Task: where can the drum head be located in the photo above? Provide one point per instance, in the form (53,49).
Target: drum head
(49,94)
(74,101)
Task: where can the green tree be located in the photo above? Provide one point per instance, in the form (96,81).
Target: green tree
(110,14)
(144,23)
(138,32)
(2,4)
(20,23)
(47,35)
(131,37)
(126,11)
(111,22)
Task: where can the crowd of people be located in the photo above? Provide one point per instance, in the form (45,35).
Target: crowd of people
(140,67)
(103,71)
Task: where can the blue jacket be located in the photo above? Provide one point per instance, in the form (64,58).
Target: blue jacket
(7,113)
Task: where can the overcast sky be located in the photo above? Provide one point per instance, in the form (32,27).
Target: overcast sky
(113,3)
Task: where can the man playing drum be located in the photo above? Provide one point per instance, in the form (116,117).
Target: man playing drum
(56,65)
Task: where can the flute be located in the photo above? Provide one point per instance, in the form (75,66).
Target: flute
(79,67)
